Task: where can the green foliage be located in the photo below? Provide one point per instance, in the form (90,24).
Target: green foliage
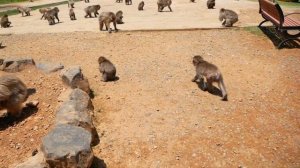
(11,1)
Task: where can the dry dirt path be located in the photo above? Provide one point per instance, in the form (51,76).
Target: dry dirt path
(185,15)
(154,116)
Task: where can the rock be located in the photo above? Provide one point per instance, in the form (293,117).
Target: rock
(68,146)
(49,67)
(37,161)
(74,78)
(16,65)
(77,111)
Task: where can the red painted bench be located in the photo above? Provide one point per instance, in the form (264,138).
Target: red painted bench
(272,12)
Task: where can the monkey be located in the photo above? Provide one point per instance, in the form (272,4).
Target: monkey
(228,17)
(71,3)
(23,10)
(5,22)
(192,1)
(13,93)
(141,5)
(211,73)
(72,14)
(43,11)
(119,17)
(128,2)
(87,1)
(51,15)
(105,18)
(163,3)
(210,4)
(92,9)
(119,1)
(107,69)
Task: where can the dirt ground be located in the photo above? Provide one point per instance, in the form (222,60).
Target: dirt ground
(154,116)
(184,15)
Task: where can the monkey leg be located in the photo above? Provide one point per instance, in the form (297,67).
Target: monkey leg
(101,25)
(56,16)
(15,109)
(223,90)
(228,23)
(115,26)
(104,77)
(195,78)
(170,8)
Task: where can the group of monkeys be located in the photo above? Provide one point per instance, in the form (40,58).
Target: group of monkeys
(226,16)
(13,92)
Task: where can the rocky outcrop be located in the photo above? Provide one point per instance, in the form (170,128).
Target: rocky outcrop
(68,146)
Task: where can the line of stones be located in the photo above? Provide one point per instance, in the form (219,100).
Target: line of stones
(69,143)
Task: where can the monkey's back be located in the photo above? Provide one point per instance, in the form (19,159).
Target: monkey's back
(164,2)
(12,89)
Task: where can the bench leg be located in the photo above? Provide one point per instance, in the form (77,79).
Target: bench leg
(284,41)
(262,22)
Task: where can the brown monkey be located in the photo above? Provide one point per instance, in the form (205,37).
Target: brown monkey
(52,14)
(71,3)
(92,9)
(106,18)
(161,4)
(13,93)
(119,17)
(211,74)
(210,4)
(228,17)
(192,0)
(23,10)
(107,69)
(72,14)
(43,11)
(141,5)
(128,2)
(5,22)
(119,1)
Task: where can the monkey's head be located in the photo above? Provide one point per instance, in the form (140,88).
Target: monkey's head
(56,9)
(197,59)
(5,15)
(222,10)
(97,7)
(101,59)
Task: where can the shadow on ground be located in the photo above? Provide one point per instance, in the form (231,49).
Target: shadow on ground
(276,38)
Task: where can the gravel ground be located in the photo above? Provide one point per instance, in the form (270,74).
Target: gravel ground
(154,116)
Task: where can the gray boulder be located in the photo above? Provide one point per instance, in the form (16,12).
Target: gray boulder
(68,146)
(49,67)
(77,111)
(74,78)
(15,65)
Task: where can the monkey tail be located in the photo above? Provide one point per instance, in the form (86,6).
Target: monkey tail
(223,88)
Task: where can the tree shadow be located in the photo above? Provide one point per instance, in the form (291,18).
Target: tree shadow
(8,120)
(214,90)
(276,38)
(98,163)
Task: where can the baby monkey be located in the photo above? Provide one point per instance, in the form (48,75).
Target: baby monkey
(107,69)
(211,73)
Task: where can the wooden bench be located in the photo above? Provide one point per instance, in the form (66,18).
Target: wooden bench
(272,12)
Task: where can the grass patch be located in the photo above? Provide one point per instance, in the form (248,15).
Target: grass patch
(254,30)
(285,4)
(10,1)
(15,12)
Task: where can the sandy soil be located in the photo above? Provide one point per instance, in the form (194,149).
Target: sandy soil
(185,15)
(154,116)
